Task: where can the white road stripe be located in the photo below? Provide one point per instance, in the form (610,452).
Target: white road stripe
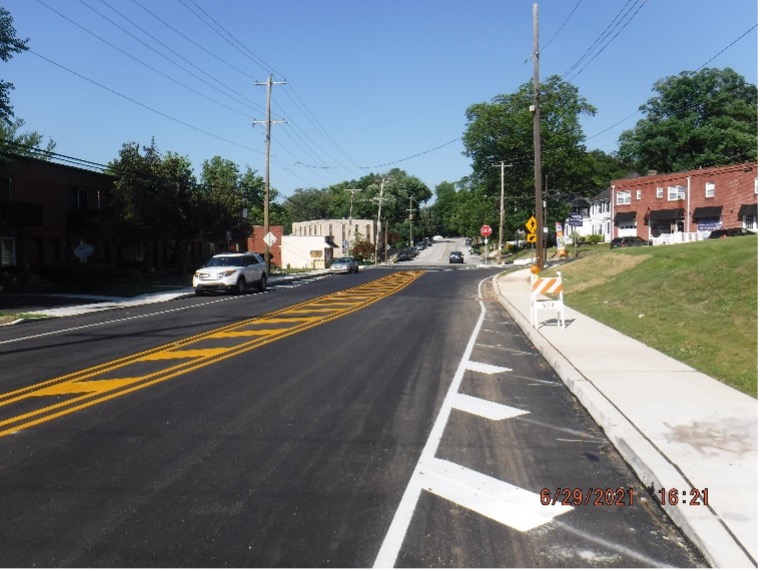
(485,408)
(429,472)
(486,368)
(497,500)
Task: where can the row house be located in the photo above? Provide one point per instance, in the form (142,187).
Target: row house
(685,206)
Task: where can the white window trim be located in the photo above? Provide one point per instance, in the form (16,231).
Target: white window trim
(709,189)
(659,192)
(676,193)
(638,195)
(623,197)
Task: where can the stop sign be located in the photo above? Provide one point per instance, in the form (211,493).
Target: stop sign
(485,230)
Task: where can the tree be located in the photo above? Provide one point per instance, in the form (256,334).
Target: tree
(24,144)
(223,198)
(11,141)
(9,45)
(154,198)
(698,119)
(503,130)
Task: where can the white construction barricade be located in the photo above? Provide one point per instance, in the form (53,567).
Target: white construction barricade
(539,289)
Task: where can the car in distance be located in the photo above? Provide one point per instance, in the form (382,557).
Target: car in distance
(729,232)
(344,265)
(456,257)
(627,242)
(233,273)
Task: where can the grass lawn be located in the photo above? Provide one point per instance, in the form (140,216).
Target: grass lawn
(695,302)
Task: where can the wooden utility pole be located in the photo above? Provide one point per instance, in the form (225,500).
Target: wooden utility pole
(501,211)
(351,217)
(268,142)
(537,146)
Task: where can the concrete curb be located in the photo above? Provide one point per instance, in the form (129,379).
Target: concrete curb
(705,529)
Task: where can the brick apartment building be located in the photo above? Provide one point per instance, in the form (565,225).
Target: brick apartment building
(686,204)
(46,210)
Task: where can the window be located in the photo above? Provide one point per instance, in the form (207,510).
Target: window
(6,188)
(659,192)
(78,199)
(638,195)
(7,252)
(676,192)
(709,190)
(623,197)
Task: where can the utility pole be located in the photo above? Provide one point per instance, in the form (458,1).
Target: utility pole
(501,210)
(378,230)
(268,141)
(351,215)
(411,216)
(537,146)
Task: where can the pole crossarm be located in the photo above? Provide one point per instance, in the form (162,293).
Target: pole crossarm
(268,140)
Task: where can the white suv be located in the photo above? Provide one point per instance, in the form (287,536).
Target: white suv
(231,272)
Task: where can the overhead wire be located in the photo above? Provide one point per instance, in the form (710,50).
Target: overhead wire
(141,62)
(234,94)
(143,105)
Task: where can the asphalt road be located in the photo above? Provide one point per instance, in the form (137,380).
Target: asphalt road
(373,419)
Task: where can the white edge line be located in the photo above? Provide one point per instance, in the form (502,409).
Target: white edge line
(394,538)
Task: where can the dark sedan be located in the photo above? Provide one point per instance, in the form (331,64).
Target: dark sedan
(627,242)
(729,232)
(456,257)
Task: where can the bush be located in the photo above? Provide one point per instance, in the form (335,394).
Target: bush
(595,239)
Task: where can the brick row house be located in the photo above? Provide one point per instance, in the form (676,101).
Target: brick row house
(48,214)
(685,206)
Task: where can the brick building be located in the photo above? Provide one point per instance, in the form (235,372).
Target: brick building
(685,206)
(46,211)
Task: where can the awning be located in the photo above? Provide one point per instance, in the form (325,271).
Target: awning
(671,214)
(702,212)
(625,217)
(748,210)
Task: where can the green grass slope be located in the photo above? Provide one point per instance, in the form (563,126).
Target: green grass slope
(695,302)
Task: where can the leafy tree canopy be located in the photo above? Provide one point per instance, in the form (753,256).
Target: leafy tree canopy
(9,45)
(697,119)
(154,197)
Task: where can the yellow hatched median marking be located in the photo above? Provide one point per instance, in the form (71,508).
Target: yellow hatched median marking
(94,385)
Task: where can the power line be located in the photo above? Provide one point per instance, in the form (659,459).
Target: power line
(724,49)
(237,96)
(604,47)
(170,78)
(562,26)
(143,105)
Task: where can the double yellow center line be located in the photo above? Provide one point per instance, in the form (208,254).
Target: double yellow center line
(57,397)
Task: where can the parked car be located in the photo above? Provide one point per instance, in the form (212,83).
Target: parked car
(233,273)
(729,232)
(627,242)
(405,255)
(344,265)
(456,257)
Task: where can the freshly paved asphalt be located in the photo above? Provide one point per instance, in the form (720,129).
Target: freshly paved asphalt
(676,427)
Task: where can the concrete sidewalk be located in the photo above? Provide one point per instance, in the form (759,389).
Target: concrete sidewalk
(678,428)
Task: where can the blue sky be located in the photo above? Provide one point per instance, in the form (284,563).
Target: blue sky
(371,85)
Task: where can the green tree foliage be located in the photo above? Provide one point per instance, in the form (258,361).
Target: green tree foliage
(502,130)
(9,45)
(13,142)
(697,119)
(336,201)
(154,197)
(230,198)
